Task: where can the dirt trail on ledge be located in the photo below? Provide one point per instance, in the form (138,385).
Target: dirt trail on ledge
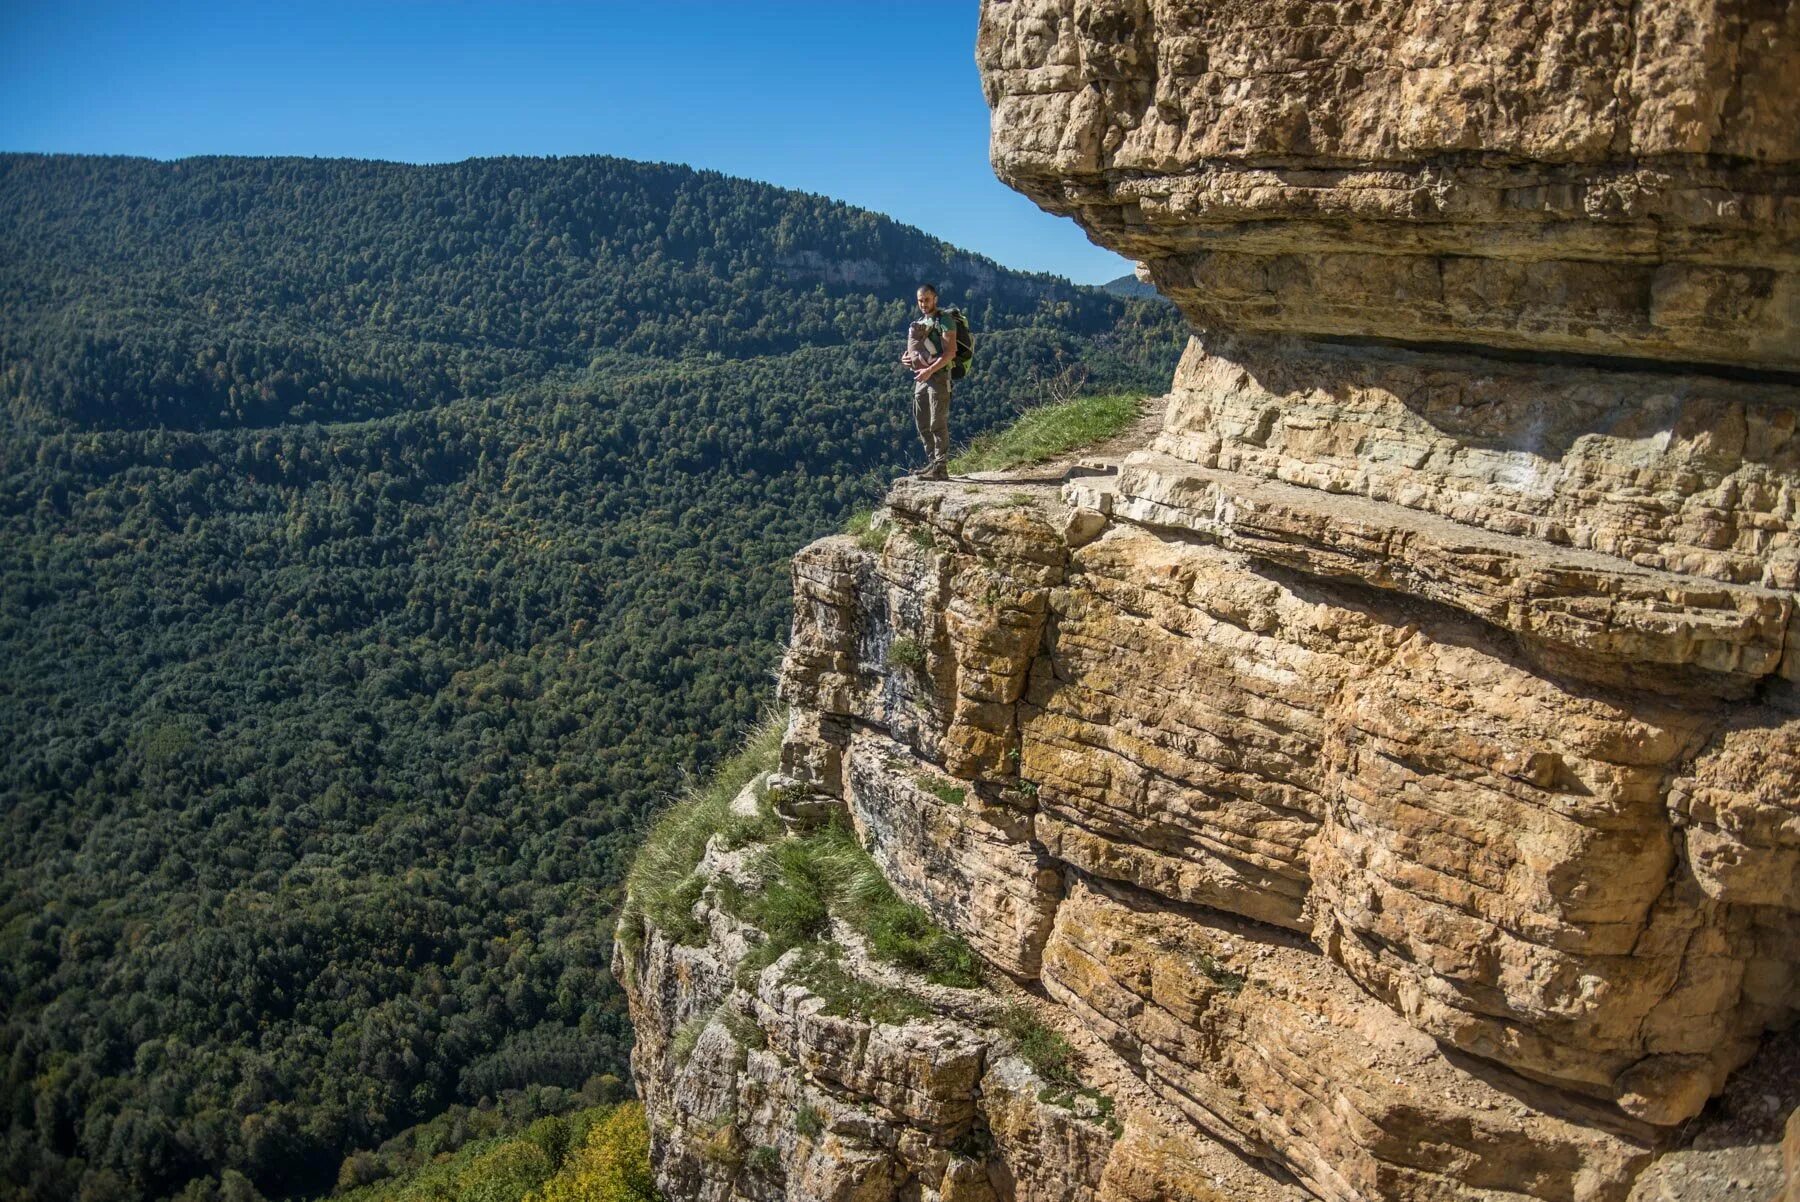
(1135,437)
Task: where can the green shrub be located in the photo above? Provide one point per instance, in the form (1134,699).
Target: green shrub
(763,1160)
(554,1137)
(808,1121)
(906,653)
(1050,430)
(596,1155)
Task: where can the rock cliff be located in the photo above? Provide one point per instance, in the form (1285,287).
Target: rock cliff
(1385,782)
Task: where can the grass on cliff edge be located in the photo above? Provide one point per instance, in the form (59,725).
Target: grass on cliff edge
(809,878)
(661,886)
(1050,430)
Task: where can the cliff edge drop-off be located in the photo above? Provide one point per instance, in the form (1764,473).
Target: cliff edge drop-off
(1385,782)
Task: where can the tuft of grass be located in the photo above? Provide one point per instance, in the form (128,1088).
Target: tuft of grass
(739,831)
(922,538)
(903,934)
(754,961)
(1048,1053)
(808,1121)
(661,888)
(742,1028)
(795,904)
(674,913)
(906,653)
(1218,974)
(681,1044)
(944,791)
(1099,1108)
(763,1160)
(846,995)
(810,877)
(1050,430)
(861,528)
(718,1143)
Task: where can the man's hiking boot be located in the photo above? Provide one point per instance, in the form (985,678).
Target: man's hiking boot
(935,470)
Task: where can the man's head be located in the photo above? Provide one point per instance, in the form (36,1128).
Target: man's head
(927,299)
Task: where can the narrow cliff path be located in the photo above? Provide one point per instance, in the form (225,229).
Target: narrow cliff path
(1135,437)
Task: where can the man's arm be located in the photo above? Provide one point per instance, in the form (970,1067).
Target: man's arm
(948,357)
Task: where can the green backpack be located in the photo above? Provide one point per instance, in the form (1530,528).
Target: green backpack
(965,344)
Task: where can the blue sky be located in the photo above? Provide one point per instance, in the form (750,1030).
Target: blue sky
(878,104)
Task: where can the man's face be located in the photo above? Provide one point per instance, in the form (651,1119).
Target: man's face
(927,301)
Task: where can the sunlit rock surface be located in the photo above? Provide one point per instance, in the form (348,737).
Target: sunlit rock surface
(1610,178)
(1388,775)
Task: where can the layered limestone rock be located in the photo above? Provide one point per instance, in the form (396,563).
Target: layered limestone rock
(1612,178)
(851,1081)
(1508,832)
(1342,880)
(1388,777)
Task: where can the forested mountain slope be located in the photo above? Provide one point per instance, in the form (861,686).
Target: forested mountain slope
(231,292)
(382,543)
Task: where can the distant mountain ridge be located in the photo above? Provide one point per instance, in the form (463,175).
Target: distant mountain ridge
(226,291)
(1132,287)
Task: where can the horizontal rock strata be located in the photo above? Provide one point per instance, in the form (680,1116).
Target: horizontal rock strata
(759,1086)
(1337,872)
(1493,858)
(971,865)
(1678,473)
(1296,1064)
(1607,179)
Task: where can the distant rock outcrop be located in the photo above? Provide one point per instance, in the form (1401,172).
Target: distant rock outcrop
(1130,285)
(1388,781)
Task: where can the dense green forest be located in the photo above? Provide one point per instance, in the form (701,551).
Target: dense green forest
(381,545)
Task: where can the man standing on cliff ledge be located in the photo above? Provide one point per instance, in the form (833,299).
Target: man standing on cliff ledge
(930,350)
